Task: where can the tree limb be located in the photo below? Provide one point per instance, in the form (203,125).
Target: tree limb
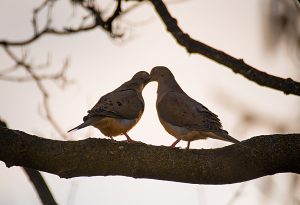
(45,94)
(40,185)
(99,21)
(288,86)
(99,157)
(38,181)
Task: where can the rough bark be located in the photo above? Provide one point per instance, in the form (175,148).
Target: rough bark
(100,157)
(38,181)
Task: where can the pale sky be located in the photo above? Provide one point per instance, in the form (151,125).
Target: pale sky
(98,65)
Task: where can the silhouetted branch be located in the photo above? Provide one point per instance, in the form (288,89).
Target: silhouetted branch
(100,157)
(288,86)
(40,185)
(38,181)
(90,6)
(38,80)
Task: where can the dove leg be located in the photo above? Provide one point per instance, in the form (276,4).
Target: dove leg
(111,138)
(188,145)
(175,143)
(128,138)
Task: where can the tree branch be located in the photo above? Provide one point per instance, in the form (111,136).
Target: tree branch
(38,181)
(91,7)
(38,81)
(40,185)
(100,157)
(288,86)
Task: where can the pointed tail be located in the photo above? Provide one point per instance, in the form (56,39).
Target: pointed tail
(79,127)
(223,135)
(87,122)
(226,137)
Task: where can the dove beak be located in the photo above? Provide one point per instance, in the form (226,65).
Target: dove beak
(148,80)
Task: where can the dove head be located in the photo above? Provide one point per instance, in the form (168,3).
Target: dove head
(140,80)
(160,74)
(165,78)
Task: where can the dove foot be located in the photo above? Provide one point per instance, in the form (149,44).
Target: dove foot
(111,138)
(188,145)
(129,140)
(175,143)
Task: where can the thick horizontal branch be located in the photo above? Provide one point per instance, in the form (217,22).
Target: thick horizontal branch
(288,86)
(99,157)
(38,181)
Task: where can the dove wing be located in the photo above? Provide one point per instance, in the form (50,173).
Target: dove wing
(125,104)
(181,110)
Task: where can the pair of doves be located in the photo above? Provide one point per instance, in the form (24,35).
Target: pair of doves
(181,116)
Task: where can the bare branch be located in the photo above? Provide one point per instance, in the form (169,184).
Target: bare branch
(99,21)
(288,86)
(100,157)
(40,185)
(117,12)
(56,76)
(8,70)
(35,14)
(38,181)
(36,78)
(48,30)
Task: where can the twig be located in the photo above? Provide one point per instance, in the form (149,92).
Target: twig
(237,194)
(48,30)
(35,14)
(29,69)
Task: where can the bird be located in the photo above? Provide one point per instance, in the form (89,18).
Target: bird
(120,110)
(182,116)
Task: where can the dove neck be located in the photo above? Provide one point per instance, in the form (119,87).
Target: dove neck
(168,85)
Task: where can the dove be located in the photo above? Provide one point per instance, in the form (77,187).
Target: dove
(181,116)
(120,110)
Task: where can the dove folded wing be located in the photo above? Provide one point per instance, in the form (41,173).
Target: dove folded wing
(115,105)
(191,113)
(187,119)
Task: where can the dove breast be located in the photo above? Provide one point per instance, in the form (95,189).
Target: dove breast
(114,126)
(183,133)
(117,112)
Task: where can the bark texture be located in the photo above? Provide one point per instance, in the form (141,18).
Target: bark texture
(100,157)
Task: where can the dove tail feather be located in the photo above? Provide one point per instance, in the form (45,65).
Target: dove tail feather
(79,126)
(89,121)
(223,135)
(226,137)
